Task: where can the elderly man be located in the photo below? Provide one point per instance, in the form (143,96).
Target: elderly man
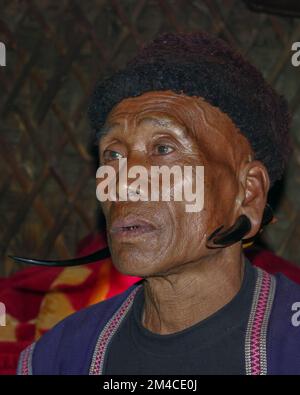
(201,308)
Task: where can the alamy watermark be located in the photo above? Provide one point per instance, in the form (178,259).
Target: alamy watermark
(296,316)
(2,314)
(2,54)
(187,185)
(296,56)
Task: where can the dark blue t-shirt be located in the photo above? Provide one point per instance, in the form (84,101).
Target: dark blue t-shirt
(212,346)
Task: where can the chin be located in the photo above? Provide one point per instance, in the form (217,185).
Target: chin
(130,262)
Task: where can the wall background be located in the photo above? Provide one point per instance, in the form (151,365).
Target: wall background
(56,51)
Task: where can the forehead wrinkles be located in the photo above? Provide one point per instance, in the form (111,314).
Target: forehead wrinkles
(159,110)
(150,101)
(217,128)
(204,122)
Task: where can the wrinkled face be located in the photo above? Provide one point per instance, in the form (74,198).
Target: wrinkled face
(165,128)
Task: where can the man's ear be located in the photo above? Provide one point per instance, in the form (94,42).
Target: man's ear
(255,184)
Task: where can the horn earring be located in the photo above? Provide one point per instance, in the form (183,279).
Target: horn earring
(230,236)
(217,239)
(237,231)
(94,257)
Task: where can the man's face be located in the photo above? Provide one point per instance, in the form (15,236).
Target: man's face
(165,128)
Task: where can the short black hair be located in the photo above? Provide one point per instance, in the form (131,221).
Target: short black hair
(198,64)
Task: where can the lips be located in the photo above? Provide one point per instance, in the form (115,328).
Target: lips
(131,226)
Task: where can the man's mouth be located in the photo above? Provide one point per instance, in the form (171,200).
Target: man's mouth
(131,226)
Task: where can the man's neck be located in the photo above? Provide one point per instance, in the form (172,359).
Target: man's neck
(178,300)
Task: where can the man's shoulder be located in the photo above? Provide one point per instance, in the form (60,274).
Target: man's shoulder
(286,305)
(90,316)
(286,288)
(69,345)
(284,328)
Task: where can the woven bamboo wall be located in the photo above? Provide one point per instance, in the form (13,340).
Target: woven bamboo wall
(56,51)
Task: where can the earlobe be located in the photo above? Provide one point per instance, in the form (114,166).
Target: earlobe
(255,190)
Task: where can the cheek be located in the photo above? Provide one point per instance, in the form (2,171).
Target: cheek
(186,239)
(220,192)
(195,232)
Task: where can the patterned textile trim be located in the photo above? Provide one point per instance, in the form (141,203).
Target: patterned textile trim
(256,336)
(25,361)
(107,333)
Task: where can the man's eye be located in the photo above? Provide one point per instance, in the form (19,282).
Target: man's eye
(111,155)
(162,149)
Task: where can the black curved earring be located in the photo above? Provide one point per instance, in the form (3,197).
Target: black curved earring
(96,256)
(237,231)
(216,240)
(230,236)
(268,215)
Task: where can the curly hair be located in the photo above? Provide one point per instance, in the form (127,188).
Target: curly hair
(197,64)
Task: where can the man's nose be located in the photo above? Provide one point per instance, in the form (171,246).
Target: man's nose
(135,167)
